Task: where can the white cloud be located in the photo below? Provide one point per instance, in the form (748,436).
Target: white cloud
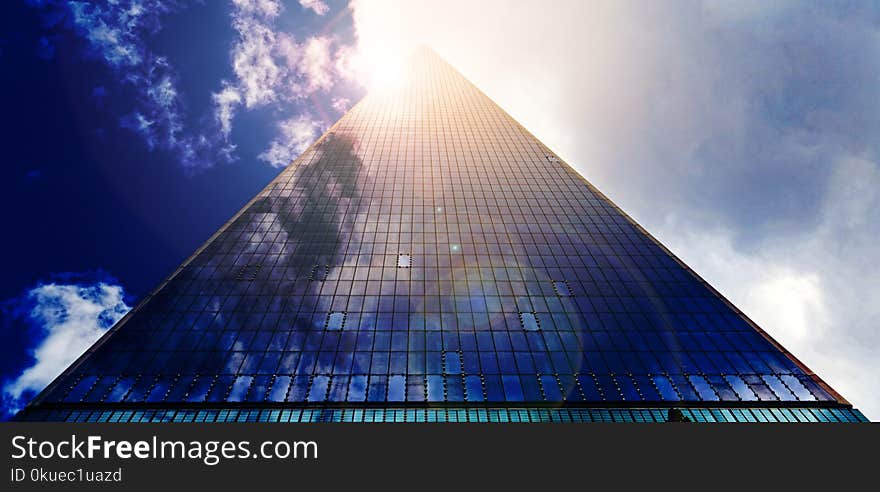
(317,6)
(254,66)
(294,136)
(71,318)
(346,64)
(114,30)
(272,69)
(743,134)
(785,298)
(225,102)
(815,294)
(258,8)
(316,65)
(117,33)
(288,50)
(341,104)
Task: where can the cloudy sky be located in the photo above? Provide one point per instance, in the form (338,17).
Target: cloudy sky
(745,135)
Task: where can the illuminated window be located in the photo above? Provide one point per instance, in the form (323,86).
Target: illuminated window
(335,321)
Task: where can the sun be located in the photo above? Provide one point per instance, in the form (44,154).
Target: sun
(378,65)
(385,75)
(382,72)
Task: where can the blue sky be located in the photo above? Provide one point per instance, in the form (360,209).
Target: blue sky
(119,161)
(744,135)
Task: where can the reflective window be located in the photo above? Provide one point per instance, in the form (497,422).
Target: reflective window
(561,288)
(335,321)
(430,249)
(529,321)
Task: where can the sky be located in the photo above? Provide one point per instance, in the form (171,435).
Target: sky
(744,135)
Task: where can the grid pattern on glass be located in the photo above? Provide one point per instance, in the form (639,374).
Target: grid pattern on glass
(743,415)
(500,228)
(562,289)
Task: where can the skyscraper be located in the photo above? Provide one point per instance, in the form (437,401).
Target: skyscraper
(428,259)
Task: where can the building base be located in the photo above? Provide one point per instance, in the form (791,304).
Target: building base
(448,414)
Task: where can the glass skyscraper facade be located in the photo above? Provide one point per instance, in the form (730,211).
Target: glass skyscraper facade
(428,259)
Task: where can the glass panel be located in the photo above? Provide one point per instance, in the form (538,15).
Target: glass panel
(561,288)
(529,321)
(335,321)
(430,249)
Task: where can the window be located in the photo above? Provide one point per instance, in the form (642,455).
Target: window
(561,288)
(529,321)
(319,272)
(248,272)
(404,261)
(335,321)
(497,233)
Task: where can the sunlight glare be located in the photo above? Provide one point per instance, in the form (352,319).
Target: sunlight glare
(385,44)
(384,72)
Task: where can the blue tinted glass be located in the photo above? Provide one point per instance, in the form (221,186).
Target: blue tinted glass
(335,320)
(512,388)
(80,390)
(529,321)
(377,388)
(562,288)
(473,389)
(666,388)
(782,392)
(454,262)
(299,390)
(338,388)
(279,389)
(357,389)
(396,388)
(799,390)
(239,388)
(318,389)
(739,386)
(704,390)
